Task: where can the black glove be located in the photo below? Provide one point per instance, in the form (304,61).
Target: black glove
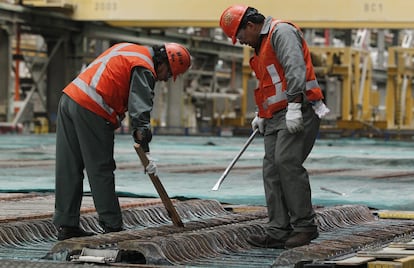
(143,137)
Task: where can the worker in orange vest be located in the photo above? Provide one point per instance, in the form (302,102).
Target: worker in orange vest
(91,108)
(289,108)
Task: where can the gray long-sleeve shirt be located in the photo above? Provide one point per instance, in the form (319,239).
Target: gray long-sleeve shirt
(141,95)
(287,43)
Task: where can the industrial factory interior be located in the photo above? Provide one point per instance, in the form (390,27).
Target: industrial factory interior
(363,60)
(361,168)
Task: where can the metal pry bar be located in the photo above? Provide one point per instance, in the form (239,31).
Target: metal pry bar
(220,181)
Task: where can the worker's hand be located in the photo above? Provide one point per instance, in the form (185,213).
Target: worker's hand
(258,122)
(151,167)
(320,108)
(294,120)
(143,137)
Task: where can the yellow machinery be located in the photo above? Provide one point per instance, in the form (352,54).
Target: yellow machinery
(41,125)
(353,66)
(360,102)
(399,99)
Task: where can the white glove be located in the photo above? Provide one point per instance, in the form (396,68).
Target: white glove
(294,120)
(151,168)
(258,122)
(320,108)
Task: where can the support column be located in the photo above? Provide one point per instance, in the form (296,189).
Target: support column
(348,37)
(174,103)
(63,67)
(381,50)
(55,81)
(5,70)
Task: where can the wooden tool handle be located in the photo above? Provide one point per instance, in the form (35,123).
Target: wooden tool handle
(160,188)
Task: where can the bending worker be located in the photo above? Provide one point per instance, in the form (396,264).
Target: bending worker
(92,106)
(289,102)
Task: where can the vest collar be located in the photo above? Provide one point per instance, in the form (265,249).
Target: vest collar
(263,33)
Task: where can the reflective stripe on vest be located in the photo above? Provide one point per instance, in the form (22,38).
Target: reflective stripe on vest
(312,84)
(91,92)
(90,89)
(113,53)
(279,94)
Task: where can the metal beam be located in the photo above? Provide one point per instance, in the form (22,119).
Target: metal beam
(391,14)
(37,20)
(223,49)
(5,67)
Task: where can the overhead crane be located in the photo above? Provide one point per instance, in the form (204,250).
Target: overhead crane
(359,103)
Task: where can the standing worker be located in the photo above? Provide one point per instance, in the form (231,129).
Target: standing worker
(92,106)
(289,102)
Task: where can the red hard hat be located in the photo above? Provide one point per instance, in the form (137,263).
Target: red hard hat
(178,57)
(230,20)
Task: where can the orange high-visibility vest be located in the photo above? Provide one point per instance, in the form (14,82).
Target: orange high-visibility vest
(103,87)
(270,96)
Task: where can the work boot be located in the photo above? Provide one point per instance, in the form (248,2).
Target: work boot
(298,239)
(65,232)
(265,241)
(108,229)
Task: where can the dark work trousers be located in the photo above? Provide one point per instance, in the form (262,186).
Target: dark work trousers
(84,141)
(286,181)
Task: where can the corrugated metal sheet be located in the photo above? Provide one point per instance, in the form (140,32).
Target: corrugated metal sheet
(214,236)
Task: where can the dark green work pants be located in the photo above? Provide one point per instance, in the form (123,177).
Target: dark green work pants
(84,141)
(286,181)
